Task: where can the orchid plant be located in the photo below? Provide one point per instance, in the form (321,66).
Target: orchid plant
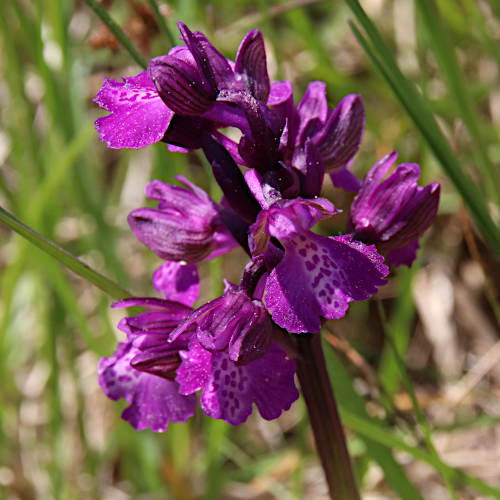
(246,346)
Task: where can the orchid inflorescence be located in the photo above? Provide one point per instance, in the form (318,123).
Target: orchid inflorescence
(231,348)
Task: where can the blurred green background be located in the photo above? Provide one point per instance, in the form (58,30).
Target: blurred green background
(60,438)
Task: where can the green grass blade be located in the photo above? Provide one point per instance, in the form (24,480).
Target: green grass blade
(58,171)
(160,21)
(445,54)
(389,334)
(117,31)
(418,111)
(351,401)
(65,258)
(380,435)
(401,318)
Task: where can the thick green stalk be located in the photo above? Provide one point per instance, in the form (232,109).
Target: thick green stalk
(324,418)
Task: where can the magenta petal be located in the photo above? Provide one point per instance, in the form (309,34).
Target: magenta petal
(280,93)
(185,227)
(233,320)
(287,219)
(314,171)
(200,55)
(395,212)
(222,70)
(154,401)
(138,116)
(313,111)
(157,403)
(255,183)
(153,304)
(404,255)
(230,390)
(318,277)
(177,282)
(180,85)
(195,370)
(342,134)
(251,64)
(346,180)
(272,382)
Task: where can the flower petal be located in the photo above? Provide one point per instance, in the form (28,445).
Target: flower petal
(314,171)
(342,133)
(177,282)
(154,401)
(223,73)
(180,85)
(318,277)
(230,390)
(346,180)
(251,64)
(404,255)
(313,111)
(138,116)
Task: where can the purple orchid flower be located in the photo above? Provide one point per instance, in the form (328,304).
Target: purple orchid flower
(177,282)
(335,133)
(190,78)
(158,374)
(176,97)
(318,275)
(147,383)
(237,321)
(186,226)
(229,390)
(296,279)
(393,213)
(149,333)
(138,116)
(154,401)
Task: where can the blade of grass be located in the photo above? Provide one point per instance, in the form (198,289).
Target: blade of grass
(160,21)
(57,172)
(380,435)
(401,319)
(418,111)
(389,334)
(453,74)
(117,31)
(65,258)
(351,401)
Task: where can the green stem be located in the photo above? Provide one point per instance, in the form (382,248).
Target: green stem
(325,420)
